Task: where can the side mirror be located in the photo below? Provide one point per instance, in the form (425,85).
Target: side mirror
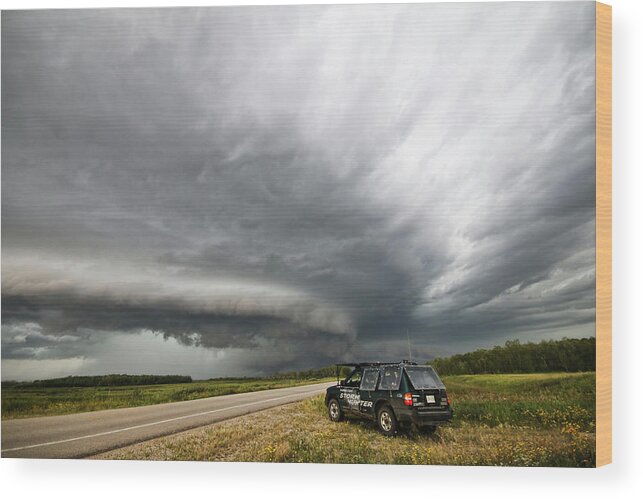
(342,382)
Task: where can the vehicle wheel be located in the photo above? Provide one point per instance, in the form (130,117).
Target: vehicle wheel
(386,421)
(335,411)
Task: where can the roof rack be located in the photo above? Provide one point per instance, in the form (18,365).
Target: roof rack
(368,364)
(371,364)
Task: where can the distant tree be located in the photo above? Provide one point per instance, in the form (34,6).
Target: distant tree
(568,355)
(316,373)
(108,380)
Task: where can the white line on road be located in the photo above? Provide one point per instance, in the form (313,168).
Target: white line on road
(154,423)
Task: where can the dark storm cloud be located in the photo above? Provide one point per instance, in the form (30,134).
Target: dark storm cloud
(308,182)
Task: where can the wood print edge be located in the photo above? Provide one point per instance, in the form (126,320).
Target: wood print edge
(603,234)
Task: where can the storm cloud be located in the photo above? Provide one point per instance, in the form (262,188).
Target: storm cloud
(297,185)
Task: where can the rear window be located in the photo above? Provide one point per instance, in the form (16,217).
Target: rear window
(390,378)
(423,378)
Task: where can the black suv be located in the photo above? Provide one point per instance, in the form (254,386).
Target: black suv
(391,394)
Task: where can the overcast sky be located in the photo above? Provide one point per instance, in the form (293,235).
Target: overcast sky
(226,191)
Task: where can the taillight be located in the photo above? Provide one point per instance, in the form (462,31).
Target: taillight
(408,399)
(448,400)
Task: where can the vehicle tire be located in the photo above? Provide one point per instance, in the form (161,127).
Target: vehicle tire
(386,421)
(335,411)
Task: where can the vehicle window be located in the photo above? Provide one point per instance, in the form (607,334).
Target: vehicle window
(354,379)
(390,378)
(369,380)
(424,378)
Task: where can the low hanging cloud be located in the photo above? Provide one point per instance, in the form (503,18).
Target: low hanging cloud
(298,185)
(64,296)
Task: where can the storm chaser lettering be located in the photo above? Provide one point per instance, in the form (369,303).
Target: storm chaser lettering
(351,397)
(354,399)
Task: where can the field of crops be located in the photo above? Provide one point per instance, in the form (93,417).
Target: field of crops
(505,419)
(22,402)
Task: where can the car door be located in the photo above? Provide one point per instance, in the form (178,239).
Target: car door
(389,384)
(366,391)
(349,392)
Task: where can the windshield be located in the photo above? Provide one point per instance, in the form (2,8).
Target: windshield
(424,378)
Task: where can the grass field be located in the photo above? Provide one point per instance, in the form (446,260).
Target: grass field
(22,402)
(505,420)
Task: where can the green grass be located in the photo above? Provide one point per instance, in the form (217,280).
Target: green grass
(503,420)
(547,400)
(22,402)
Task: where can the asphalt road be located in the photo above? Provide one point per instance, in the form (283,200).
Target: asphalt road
(89,433)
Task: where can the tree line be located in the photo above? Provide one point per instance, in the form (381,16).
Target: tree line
(321,372)
(104,380)
(566,355)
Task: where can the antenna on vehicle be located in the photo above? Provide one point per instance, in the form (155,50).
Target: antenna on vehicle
(408,339)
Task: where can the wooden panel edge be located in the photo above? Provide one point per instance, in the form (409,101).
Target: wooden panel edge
(603,234)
